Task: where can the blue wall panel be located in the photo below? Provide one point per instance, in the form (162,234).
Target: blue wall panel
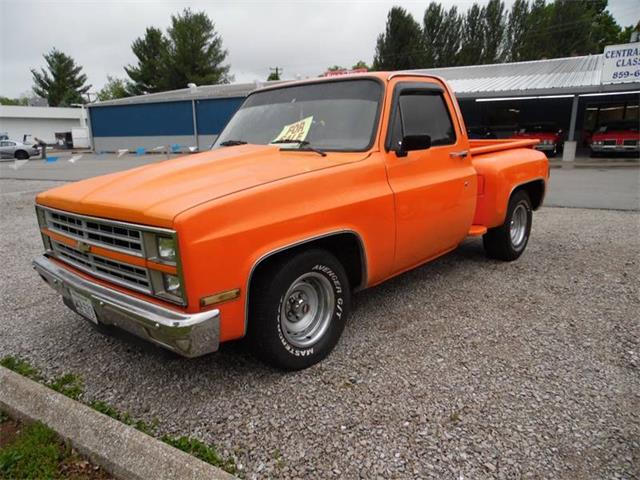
(213,114)
(147,119)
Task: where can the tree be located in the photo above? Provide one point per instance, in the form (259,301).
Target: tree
(535,42)
(400,47)
(22,101)
(493,24)
(625,34)
(114,88)
(62,83)
(334,68)
(516,30)
(148,75)
(471,48)
(432,33)
(360,64)
(450,45)
(194,53)
(441,35)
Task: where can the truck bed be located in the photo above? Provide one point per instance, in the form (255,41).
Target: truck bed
(480,147)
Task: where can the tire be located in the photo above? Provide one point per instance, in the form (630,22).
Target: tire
(21,155)
(298,309)
(509,240)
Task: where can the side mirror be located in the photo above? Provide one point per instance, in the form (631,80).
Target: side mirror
(413,142)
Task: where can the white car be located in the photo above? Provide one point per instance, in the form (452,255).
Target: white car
(18,150)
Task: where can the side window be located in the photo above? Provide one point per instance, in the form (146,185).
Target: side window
(420,114)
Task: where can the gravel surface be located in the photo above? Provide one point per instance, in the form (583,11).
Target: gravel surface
(464,368)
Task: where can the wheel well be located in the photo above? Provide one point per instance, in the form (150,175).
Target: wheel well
(18,152)
(535,190)
(347,247)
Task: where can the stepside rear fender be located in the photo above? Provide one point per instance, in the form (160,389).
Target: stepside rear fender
(500,174)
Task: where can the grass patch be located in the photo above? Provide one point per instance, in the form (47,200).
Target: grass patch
(201,450)
(72,386)
(35,453)
(124,417)
(22,367)
(67,384)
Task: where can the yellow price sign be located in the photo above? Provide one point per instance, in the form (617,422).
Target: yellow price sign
(295,132)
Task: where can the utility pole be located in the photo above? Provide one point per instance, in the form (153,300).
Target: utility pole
(275,73)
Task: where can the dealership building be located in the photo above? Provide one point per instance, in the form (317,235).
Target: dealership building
(577,94)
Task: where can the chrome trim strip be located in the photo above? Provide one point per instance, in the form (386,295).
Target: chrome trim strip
(190,335)
(363,258)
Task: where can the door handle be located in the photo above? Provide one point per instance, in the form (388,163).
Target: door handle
(461,154)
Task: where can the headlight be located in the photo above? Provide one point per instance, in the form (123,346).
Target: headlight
(172,284)
(167,249)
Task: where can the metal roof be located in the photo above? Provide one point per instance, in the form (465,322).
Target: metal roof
(196,93)
(539,77)
(569,75)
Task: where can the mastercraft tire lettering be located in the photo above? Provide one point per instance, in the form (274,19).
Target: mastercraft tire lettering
(298,309)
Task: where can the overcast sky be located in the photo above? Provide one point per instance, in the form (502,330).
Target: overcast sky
(303,37)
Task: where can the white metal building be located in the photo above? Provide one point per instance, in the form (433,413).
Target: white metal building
(26,123)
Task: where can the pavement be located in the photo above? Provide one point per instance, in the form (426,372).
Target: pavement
(463,368)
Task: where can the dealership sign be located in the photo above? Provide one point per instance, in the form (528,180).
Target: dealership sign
(621,63)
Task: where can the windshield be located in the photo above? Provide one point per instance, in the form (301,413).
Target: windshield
(339,115)
(619,126)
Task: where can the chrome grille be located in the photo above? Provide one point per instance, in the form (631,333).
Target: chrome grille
(131,276)
(630,143)
(609,142)
(97,232)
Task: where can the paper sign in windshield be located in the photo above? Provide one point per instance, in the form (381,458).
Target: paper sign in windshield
(296,132)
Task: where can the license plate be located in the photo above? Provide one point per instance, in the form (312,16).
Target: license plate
(84,307)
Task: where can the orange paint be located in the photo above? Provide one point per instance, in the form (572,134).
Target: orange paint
(232,206)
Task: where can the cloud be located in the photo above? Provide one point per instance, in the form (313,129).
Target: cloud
(302,37)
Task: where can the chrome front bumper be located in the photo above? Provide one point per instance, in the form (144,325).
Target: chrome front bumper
(615,148)
(190,335)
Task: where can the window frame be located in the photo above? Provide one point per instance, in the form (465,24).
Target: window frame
(416,88)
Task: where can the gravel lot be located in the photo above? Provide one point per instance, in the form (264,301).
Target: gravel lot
(464,368)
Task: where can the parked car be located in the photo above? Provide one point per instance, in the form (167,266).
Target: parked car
(314,189)
(479,133)
(549,135)
(616,137)
(19,150)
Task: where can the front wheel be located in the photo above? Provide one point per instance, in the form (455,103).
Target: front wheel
(508,241)
(21,155)
(298,310)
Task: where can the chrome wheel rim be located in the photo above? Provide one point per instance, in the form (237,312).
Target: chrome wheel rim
(305,313)
(518,227)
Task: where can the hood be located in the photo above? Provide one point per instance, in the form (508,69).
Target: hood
(538,135)
(154,194)
(618,134)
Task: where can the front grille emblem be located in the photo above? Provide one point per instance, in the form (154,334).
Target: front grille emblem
(84,247)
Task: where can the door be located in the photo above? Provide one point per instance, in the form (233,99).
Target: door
(434,188)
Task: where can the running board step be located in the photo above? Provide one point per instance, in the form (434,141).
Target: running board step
(477,230)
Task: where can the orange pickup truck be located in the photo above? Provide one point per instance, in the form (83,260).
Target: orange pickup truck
(314,190)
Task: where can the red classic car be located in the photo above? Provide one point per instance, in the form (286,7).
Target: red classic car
(616,137)
(549,134)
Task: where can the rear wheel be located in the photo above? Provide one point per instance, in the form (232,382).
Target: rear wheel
(21,155)
(298,309)
(508,241)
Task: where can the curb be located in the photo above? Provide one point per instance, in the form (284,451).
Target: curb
(121,450)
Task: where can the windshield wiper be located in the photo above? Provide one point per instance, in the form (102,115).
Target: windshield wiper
(303,146)
(232,143)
